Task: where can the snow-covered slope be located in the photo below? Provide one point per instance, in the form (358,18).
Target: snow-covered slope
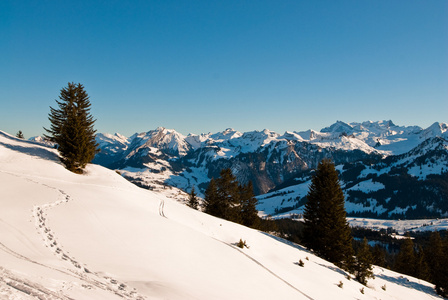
(96,236)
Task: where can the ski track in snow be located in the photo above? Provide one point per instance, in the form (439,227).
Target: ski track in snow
(93,279)
(161,208)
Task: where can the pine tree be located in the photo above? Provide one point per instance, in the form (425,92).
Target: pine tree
(442,284)
(212,205)
(405,261)
(226,198)
(437,257)
(71,128)
(434,252)
(20,135)
(326,229)
(229,196)
(249,213)
(421,266)
(193,199)
(379,256)
(363,265)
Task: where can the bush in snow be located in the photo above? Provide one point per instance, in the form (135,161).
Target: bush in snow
(242,244)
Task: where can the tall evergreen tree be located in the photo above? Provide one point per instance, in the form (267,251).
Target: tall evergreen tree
(71,128)
(442,284)
(421,266)
(193,199)
(379,256)
(229,196)
(437,257)
(249,213)
(363,265)
(405,261)
(212,205)
(326,229)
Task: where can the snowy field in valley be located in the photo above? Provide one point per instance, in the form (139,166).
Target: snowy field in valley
(401,226)
(97,236)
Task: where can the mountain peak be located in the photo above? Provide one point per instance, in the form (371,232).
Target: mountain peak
(338,127)
(436,129)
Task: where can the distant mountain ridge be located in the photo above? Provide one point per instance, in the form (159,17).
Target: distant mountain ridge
(163,157)
(375,135)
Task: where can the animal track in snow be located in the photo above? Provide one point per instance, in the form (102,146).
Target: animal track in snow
(81,270)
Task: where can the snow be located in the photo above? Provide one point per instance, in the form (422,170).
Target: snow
(268,203)
(357,207)
(367,186)
(401,226)
(97,236)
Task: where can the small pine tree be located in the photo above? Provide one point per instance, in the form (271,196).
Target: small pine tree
(363,265)
(20,135)
(241,244)
(71,128)
(192,199)
(326,228)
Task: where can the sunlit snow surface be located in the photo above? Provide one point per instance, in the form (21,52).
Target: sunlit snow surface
(96,236)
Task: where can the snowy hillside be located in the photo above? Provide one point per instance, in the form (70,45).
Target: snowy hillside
(97,236)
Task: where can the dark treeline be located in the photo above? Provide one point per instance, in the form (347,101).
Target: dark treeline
(226,198)
(422,254)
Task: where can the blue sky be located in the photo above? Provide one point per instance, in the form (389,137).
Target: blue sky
(204,66)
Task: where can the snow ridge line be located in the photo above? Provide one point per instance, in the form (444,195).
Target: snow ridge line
(267,269)
(104,282)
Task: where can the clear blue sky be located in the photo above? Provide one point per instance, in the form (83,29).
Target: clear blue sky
(204,66)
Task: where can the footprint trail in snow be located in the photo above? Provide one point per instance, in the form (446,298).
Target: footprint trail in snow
(81,270)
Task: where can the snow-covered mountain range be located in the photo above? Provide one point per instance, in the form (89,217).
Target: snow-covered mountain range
(370,157)
(97,236)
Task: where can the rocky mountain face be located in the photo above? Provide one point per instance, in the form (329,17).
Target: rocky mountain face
(377,151)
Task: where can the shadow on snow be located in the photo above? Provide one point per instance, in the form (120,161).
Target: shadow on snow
(31,148)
